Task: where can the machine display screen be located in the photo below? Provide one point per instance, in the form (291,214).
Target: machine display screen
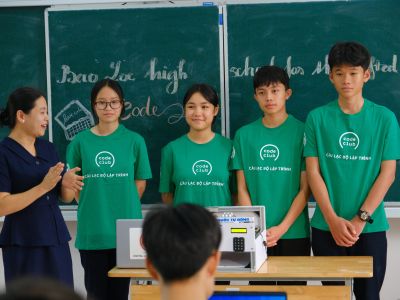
(238,230)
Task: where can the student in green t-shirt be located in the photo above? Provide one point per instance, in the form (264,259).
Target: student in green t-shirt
(352,145)
(115,166)
(195,167)
(268,159)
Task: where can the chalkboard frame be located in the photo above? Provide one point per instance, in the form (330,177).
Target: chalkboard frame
(224,80)
(218,23)
(231,3)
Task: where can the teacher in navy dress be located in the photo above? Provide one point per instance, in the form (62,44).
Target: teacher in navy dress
(34,238)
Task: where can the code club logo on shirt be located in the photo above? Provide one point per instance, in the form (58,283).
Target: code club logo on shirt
(202,167)
(233,153)
(105,158)
(269,151)
(349,140)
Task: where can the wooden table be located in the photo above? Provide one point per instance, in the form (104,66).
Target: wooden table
(275,268)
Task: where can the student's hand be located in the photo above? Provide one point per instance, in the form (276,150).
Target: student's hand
(274,234)
(343,232)
(52,177)
(73,181)
(358,225)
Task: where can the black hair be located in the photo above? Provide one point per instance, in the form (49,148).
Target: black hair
(205,90)
(24,99)
(179,240)
(267,75)
(349,53)
(114,85)
(39,288)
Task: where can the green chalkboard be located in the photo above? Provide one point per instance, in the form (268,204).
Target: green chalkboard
(94,43)
(22,51)
(298,36)
(155,54)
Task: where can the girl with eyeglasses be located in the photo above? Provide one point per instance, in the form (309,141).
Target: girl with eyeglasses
(115,166)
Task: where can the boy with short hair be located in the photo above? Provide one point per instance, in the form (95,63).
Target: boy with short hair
(269,163)
(182,250)
(352,145)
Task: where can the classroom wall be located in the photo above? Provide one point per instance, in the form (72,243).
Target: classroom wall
(390,289)
(188,55)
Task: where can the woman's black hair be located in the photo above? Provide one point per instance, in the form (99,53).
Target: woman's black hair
(23,99)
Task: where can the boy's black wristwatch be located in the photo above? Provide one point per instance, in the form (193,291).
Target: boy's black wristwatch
(365,216)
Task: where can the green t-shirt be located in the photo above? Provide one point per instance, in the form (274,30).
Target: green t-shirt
(272,162)
(350,149)
(197,173)
(110,164)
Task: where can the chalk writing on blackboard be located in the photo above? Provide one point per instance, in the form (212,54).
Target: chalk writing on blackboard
(73,118)
(74,77)
(155,72)
(377,65)
(173,76)
(174,111)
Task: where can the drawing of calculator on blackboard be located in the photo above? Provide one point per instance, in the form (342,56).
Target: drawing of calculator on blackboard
(74,118)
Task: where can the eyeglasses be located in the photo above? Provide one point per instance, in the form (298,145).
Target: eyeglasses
(114,104)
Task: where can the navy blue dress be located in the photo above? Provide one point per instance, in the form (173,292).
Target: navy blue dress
(35,239)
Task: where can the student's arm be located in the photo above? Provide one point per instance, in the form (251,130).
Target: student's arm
(140,186)
(71,185)
(299,202)
(167,186)
(167,198)
(11,203)
(235,199)
(233,187)
(142,166)
(342,230)
(74,161)
(243,193)
(67,195)
(377,192)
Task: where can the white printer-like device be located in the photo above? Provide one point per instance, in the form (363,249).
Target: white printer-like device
(243,246)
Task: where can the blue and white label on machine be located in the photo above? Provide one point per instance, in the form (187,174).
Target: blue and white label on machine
(236,220)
